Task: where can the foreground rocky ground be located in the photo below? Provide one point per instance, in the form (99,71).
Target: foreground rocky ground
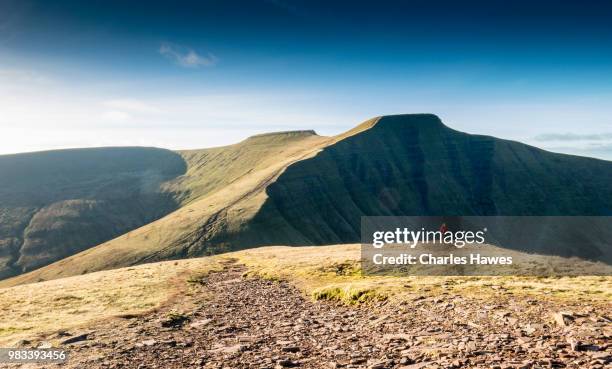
(231,321)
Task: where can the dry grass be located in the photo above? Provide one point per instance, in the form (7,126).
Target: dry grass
(322,272)
(32,309)
(332,272)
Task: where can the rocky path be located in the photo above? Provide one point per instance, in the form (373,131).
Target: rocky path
(238,322)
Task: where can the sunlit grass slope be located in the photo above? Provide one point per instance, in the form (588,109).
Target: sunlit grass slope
(28,310)
(323,272)
(335,272)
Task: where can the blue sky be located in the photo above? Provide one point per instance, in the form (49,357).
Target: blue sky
(207,73)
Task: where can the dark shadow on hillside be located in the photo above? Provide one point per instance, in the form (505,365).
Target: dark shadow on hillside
(414,165)
(56,203)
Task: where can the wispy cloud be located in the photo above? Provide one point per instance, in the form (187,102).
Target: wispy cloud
(597,145)
(574,137)
(187,57)
(600,150)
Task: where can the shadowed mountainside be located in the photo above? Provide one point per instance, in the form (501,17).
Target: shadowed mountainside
(56,203)
(414,165)
(297,188)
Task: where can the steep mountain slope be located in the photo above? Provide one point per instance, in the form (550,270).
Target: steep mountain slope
(54,204)
(302,189)
(90,183)
(181,233)
(57,203)
(211,169)
(414,165)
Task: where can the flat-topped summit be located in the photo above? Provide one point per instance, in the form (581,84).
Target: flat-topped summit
(417,118)
(283,135)
(298,132)
(394,122)
(399,121)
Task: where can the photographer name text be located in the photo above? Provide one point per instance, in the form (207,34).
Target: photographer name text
(450,259)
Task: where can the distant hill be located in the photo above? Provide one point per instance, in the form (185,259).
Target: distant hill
(56,203)
(297,188)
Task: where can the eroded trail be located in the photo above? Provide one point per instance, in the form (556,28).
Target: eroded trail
(239,322)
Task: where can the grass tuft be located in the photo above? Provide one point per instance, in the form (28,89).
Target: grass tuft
(350,295)
(175,318)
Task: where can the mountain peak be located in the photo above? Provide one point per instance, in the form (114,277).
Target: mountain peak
(416,120)
(394,122)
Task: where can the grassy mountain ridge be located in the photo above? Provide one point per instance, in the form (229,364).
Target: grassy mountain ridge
(207,194)
(297,188)
(54,204)
(209,170)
